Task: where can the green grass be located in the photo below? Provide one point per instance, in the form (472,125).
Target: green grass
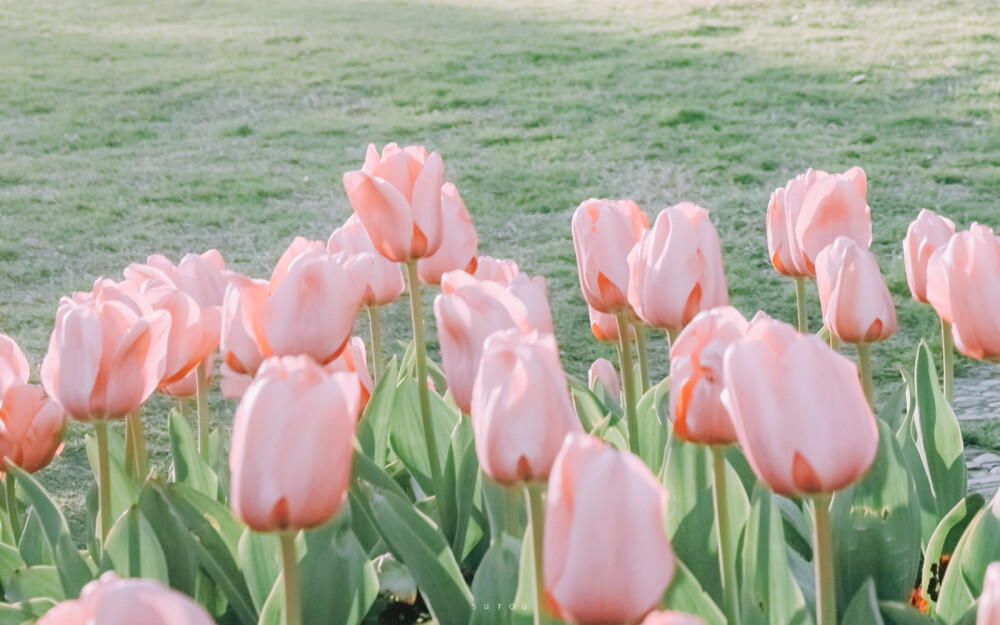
(128,128)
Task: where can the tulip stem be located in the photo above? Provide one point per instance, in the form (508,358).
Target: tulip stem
(420,349)
(12,512)
(204,418)
(536,513)
(628,383)
(865,368)
(834,341)
(800,303)
(727,560)
(947,360)
(376,328)
(293,603)
(640,349)
(136,458)
(826,596)
(103,477)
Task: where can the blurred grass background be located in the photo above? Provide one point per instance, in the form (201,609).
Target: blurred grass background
(136,127)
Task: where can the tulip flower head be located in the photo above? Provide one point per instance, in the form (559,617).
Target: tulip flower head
(857,306)
(594,572)
(676,268)
(799,410)
(13,364)
(31,427)
(927,233)
(397,196)
(604,232)
(495,269)
(382,278)
(989,602)
(697,378)
(605,327)
(604,375)
(671,618)
(459,241)
(293,440)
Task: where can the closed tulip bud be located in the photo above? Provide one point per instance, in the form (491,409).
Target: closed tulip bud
(593,572)
(799,411)
(189,341)
(354,360)
(604,375)
(397,196)
(113,601)
(989,602)
(31,427)
(697,378)
(857,306)
(13,364)
(671,618)
(382,278)
(782,214)
(244,346)
(604,232)
(469,310)
(106,356)
(676,268)
(188,385)
(964,286)
(605,327)
(497,270)
(928,232)
(292,445)
(459,241)
(521,408)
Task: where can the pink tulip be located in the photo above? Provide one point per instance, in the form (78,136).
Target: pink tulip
(595,571)
(926,233)
(497,270)
(107,353)
(292,444)
(14,367)
(244,346)
(671,618)
(298,247)
(676,268)
(397,196)
(190,340)
(966,276)
(989,601)
(113,601)
(383,279)
(354,360)
(798,409)
(697,379)
(469,310)
(602,373)
(857,306)
(605,327)
(521,408)
(604,232)
(459,241)
(188,385)
(31,427)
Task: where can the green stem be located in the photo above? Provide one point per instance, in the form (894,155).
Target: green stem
(826,583)
(376,328)
(834,341)
(628,383)
(948,360)
(727,559)
(136,457)
(640,348)
(12,512)
(103,477)
(536,513)
(293,602)
(417,314)
(800,303)
(204,417)
(671,337)
(865,369)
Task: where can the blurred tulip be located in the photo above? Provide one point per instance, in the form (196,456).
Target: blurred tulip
(113,601)
(469,310)
(697,378)
(459,241)
(13,364)
(604,232)
(798,409)
(603,373)
(671,618)
(355,360)
(188,385)
(594,572)
(605,327)
(397,196)
(989,602)
(926,233)
(31,427)
(521,408)
(292,445)
(383,278)
(857,306)
(676,268)
(497,270)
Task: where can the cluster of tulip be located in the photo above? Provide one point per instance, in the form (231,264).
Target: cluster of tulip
(351,491)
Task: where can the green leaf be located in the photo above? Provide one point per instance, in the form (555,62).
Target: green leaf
(373,427)
(35,582)
(394,579)
(496,582)
(273,611)
(978,547)
(406,436)
(863,608)
(189,467)
(898,613)
(25,611)
(10,561)
(894,409)
(652,434)
(876,528)
(770,592)
(259,556)
(124,491)
(180,557)
(133,550)
(461,473)
(684,594)
(944,541)
(33,545)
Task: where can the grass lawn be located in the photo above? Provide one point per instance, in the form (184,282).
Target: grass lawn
(134,127)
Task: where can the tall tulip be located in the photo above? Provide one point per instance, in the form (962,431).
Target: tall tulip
(988,612)
(593,575)
(603,375)
(13,364)
(459,241)
(928,232)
